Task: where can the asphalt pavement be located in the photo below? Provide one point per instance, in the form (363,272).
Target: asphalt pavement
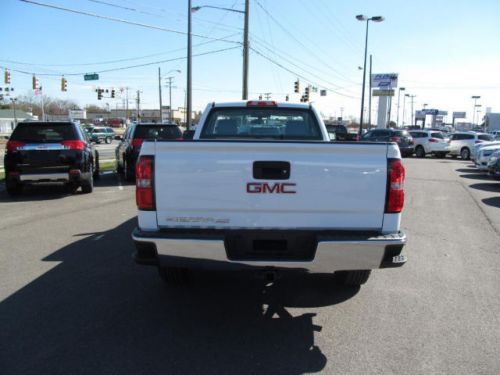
(73,301)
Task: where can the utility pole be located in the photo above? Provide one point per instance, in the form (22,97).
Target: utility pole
(267,95)
(245,50)
(370,97)
(159,91)
(43,106)
(171,119)
(412,113)
(138,99)
(189,53)
(126,115)
(389,112)
(399,101)
(475,97)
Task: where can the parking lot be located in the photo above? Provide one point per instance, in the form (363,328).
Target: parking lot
(73,301)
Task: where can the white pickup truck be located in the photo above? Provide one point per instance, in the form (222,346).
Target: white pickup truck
(261,186)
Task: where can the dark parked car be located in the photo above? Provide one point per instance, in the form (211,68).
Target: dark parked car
(127,151)
(401,137)
(50,152)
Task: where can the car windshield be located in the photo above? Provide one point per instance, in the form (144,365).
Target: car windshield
(43,132)
(157,132)
(262,123)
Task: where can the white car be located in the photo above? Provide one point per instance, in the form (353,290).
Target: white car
(462,143)
(478,146)
(430,142)
(483,156)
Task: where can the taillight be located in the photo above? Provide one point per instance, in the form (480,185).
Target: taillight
(394,139)
(74,144)
(14,145)
(137,142)
(478,141)
(144,184)
(395,186)
(433,140)
(410,141)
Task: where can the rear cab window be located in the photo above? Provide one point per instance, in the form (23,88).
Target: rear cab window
(157,132)
(273,123)
(44,132)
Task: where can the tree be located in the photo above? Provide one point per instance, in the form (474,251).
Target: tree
(91,108)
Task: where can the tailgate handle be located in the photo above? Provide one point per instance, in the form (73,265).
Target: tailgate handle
(271,170)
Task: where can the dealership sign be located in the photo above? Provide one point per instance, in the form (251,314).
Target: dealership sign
(383,92)
(458,114)
(386,80)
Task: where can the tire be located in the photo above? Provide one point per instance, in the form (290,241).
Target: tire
(13,188)
(108,140)
(127,173)
(465,153)
(354,278)
(173,275)
(420,152)
(71,188)
(96,174)
(88,183)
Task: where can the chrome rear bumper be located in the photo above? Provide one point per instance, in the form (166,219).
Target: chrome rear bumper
(332,253)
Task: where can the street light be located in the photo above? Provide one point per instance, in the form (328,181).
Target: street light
(246,12)
(404,107)
(399,101)
(361,17)
(475,97)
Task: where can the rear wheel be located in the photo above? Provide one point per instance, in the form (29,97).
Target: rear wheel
(13,188)
(354,278)
(128,174)
(420,152)
(88,183)
(173,275)
(465,153)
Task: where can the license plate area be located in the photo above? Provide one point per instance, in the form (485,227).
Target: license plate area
(264,246)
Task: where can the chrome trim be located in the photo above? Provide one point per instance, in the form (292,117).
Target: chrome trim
(330,255)
(44,177)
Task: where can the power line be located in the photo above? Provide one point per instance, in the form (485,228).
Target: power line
(119,20)
(124,67)
(116,61)
(299,75)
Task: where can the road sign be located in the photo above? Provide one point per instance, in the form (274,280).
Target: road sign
(91,77)
(386,80)
(76,114)
(458,114)
(419,115)
(383,92)
(322,93)
(433,112)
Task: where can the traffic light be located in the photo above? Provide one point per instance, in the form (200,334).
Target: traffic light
(35,83)
(297,86)
(64,84)
(113,93)
(7,77)
(307,93)
(99,94)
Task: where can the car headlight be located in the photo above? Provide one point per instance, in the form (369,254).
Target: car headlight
(493,159)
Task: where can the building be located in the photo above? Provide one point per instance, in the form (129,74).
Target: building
(8,119)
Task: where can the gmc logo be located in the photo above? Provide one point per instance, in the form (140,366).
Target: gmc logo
(276,188)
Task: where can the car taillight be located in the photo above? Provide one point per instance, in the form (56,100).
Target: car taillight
(137,142)
(449,141)
(410,141)
(394,139)
(14,145)
(144,184)
(478,141)
(74,144)
(395,186)
(433,140)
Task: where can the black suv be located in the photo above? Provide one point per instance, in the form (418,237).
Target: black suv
(401,137)
(50,152)
(128,150)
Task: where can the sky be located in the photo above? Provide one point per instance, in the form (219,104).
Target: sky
(444,51)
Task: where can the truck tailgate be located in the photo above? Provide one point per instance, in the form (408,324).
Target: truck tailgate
(213,184)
